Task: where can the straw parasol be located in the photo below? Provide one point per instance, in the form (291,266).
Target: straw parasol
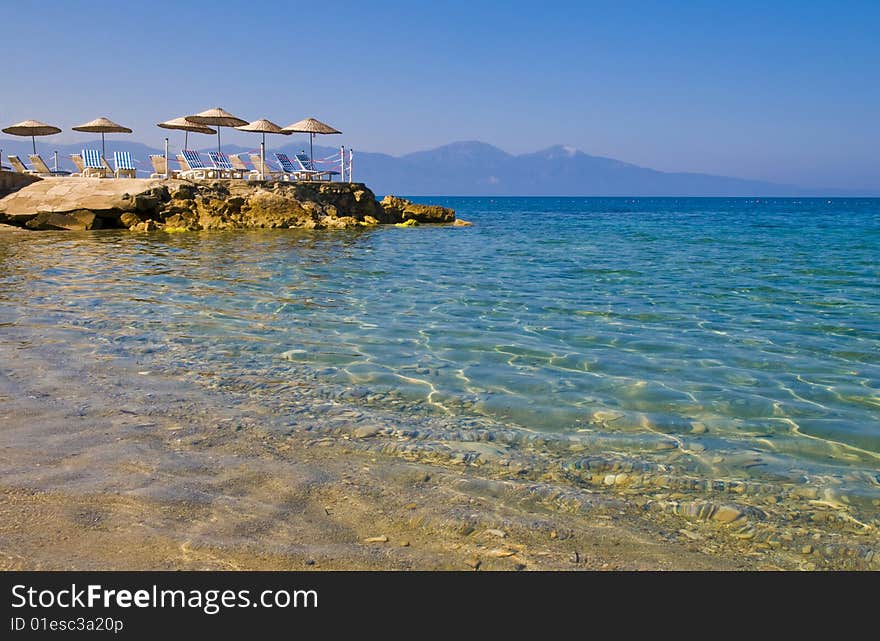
(103,126)
(32,128)
(185,125)
(311,126)
(219,118)
(264,127)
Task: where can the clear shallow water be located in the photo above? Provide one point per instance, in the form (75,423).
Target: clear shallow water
(744,333)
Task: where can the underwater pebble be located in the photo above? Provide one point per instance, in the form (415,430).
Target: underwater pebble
(377,539)
(365,431)
(698,428)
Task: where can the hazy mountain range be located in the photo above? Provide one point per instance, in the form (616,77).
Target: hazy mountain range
(479,169)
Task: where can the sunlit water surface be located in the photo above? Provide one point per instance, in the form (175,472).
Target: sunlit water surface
(744,332)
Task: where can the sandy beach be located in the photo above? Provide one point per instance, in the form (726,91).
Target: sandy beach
(97,475)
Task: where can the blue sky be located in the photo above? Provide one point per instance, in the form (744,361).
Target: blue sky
(780,91)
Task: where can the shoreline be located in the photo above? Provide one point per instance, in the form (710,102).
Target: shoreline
(204,480)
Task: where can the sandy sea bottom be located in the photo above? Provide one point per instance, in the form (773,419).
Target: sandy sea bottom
(619,386)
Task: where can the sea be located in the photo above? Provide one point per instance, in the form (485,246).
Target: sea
(722,339)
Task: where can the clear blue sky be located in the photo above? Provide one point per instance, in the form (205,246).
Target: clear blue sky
(781,91)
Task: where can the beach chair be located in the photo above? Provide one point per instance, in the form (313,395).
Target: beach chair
(239,165)
(124,164)
(94,165)
(289,168)
(314,174)
(193,167)
(78,163)
(159,169)
(268,171)
(19,166)
(43,169)
(223,165)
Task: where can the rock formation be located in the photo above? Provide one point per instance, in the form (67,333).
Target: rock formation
(179,205)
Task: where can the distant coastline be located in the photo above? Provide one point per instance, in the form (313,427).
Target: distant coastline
(479,169)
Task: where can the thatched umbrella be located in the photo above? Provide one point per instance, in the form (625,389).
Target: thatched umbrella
(32,128)
(264,127)
(311,126)
(185,125)
(103,126)
(217,117)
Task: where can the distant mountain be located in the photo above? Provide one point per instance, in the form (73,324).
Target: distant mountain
(479,169)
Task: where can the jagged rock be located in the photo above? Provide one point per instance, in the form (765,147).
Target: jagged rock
(341,222)
(183,191)
(402,210)
(461,223)
(129,220)
(147,225)
(72,221)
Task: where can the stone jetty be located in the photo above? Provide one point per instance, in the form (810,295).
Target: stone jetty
(80,204)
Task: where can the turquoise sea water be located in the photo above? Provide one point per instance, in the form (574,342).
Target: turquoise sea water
(747,331)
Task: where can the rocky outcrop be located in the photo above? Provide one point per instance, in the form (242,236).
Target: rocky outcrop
(400,210)
(177,205)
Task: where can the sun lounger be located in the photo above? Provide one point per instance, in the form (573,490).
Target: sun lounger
(268,171)
(223,165)
(193,167)
(124,164)
(159,169)
(306,166)
(289,168)
(94,165)
(78,163)
(19,166)
(43,169)
(239,165)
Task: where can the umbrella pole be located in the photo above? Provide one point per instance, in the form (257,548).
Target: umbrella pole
(312,151)
(186,140)
(34,144)
(103,148)
(218,139)
(263,158)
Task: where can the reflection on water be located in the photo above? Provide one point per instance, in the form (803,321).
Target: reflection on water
(732,337)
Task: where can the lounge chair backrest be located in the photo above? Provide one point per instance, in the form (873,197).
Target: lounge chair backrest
(193,159)
(304,162)
(158,163)
(265,169)
(78,162)
(39,164)
(238,163)
(123,160)
(92,159)
(220,160)
(17,165)
(285,163)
